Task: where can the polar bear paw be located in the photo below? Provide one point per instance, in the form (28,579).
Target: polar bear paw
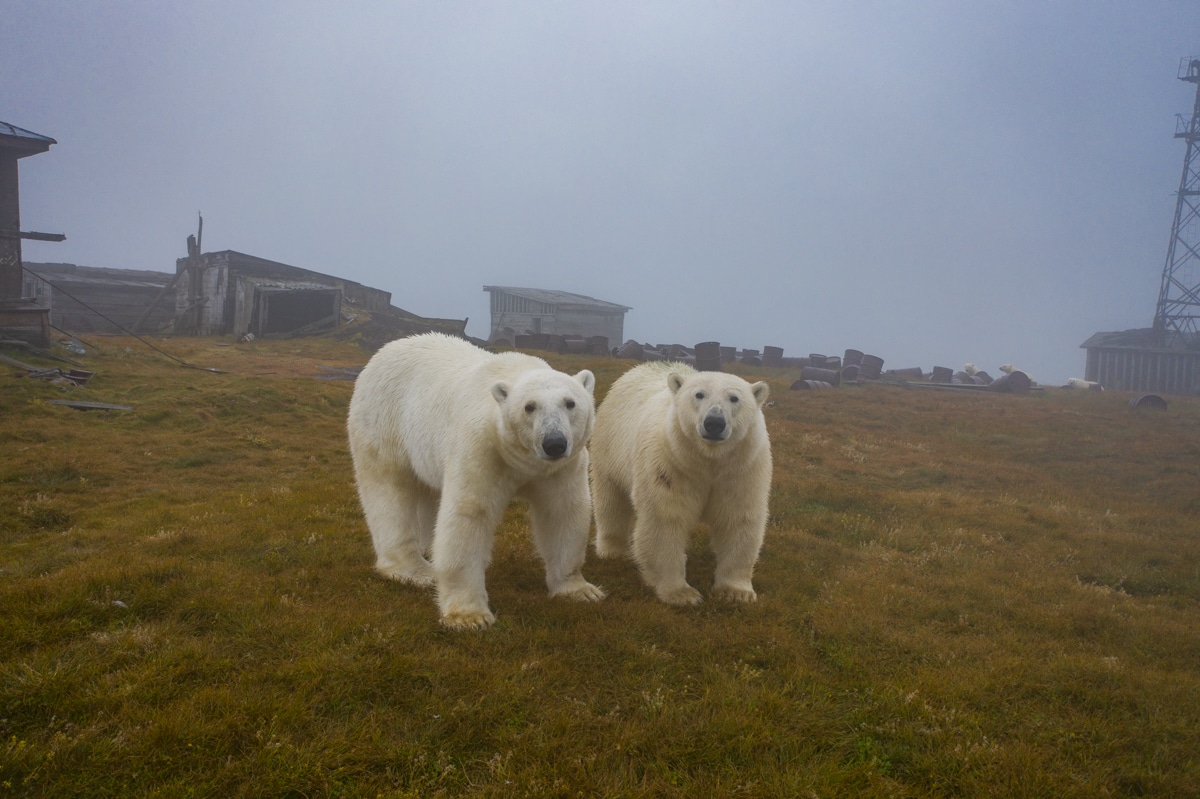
(683,595)
(580,590)
(735,594)
(468,619)
(421,575)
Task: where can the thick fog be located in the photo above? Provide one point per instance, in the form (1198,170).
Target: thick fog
(933,183)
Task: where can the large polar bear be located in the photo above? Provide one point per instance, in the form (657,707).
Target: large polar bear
(443,435)
(674,447)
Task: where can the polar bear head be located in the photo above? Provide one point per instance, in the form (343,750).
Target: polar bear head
(714,406)
(549,414)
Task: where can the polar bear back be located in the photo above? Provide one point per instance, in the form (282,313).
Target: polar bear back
(421,400)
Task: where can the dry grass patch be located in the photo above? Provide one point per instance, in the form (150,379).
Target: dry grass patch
(960,596)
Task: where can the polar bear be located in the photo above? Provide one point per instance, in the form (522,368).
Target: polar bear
(443,435)
(674,447)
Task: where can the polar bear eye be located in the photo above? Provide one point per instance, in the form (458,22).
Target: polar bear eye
(699,395)
(530,407)
(733,398)
(570,405)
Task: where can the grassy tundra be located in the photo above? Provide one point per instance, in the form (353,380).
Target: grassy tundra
(960,595)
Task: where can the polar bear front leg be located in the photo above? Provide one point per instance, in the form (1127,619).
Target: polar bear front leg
(399,513)
(560,512)
(737,523)
(660,551)
(462,550)
(614,518)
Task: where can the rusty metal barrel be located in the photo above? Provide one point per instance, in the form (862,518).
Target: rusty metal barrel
(1148,402)
(631,349)
(708,356)
(831,376)
(1015,382)
(850,373)
(772,356)
(728,354)
(908,373)
(852,358)
(598,345)
(870,367)
(810,385)
(941,374)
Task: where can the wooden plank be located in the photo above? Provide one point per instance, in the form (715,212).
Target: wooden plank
(91,406)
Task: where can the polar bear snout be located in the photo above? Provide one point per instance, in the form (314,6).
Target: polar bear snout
(555,445)
(715,428)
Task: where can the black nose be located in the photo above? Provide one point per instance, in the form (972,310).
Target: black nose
(554,445)
(714,425)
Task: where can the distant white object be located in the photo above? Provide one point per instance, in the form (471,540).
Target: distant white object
(1088,385)
(971,369)
(1008,369)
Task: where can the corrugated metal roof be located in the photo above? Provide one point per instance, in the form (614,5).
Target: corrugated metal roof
(553,297)
(18,138)
(1143,338)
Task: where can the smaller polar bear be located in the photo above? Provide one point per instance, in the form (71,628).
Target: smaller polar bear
(443,435)
(674,447)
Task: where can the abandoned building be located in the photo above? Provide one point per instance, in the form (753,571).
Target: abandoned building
(1141,360)
(22,315)
(83,299)
(521,311)
(228,292)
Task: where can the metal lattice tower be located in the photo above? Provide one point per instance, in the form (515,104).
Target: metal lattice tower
(1177,317)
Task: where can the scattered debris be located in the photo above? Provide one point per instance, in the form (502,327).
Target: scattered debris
(91,406)
(339,372)
(74,377)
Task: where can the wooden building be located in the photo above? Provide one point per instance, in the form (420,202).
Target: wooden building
(225,292)
(1136,360)
(520,311)
(228,292)
(84,299)
(20,315)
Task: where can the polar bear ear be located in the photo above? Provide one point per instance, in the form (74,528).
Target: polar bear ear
(674,381)
(500,391)
(761,391)
(587,379)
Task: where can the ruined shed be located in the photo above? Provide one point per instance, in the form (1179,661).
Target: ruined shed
(519,311)
(84,299)
(225,292)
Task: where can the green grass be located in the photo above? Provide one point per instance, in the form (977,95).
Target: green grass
(960,595)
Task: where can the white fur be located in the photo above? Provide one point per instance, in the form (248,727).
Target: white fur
(443,435)
(655,476)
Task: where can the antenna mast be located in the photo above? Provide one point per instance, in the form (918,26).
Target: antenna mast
(1177,317)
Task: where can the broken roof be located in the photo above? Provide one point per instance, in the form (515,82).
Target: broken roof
(26,142)
(560,298)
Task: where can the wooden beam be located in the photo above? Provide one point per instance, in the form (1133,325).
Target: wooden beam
(31,235)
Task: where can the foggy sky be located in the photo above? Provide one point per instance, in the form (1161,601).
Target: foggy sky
(932,182)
